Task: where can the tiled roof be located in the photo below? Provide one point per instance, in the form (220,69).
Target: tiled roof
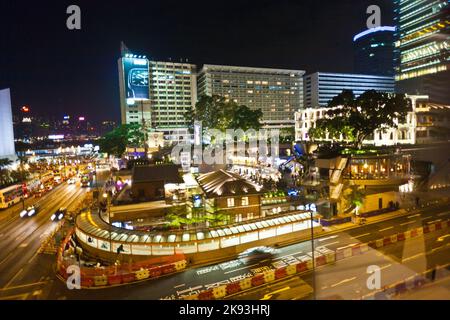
(223,183)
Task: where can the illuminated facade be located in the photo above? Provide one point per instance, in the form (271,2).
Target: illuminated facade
(422,46)
(321,87)
(171,90)
(277,92)
(426,122)
(7,149)
(374,51)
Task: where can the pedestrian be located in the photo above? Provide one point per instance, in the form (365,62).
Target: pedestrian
(417,201)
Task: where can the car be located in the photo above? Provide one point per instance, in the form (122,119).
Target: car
(59,214)
(28,212)
(71,181)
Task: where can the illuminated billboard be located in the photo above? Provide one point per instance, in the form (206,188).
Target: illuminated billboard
(136,77)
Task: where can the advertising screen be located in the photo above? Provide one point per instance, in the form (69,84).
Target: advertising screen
(136,77)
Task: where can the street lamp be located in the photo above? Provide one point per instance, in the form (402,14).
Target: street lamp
(312,253)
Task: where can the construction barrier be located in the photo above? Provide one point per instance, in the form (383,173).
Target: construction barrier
(219,292)
(321,260)
(114,280)
(269,275)
(100,281)
(280,273)
(206,295)
(233,288)
(257,280)
(326,256)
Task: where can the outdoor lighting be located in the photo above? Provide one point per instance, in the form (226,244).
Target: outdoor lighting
(105,195)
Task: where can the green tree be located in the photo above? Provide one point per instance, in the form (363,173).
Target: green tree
(116,141)
(357,118)
(355,197)
(215,112)
(5,173)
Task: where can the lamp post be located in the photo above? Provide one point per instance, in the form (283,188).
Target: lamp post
(105,196)
(312,253)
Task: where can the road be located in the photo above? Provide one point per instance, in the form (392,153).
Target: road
(346,279)
(201,278)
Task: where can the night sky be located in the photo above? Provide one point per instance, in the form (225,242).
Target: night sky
(57,71)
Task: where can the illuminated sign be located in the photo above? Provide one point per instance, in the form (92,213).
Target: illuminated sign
(66,117)
(81,119)
(25,109)
(373,30)
(136,78)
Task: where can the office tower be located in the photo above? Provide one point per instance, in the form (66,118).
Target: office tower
(374,51)
(277,92)
(7,148)
(422,44)
(321,87)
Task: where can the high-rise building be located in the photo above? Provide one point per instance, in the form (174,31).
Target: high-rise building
(134,89)
(173,91)
(157,94)
(7,148)
(277,92)
(422,48)
(321,87)
(374,51)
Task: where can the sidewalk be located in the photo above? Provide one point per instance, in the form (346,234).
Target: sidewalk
(426,198)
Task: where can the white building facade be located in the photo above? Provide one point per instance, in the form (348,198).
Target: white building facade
(7,148)
(277,92)
(425,123)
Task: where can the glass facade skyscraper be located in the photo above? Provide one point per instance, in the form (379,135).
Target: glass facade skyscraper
(422,47)
(374,51)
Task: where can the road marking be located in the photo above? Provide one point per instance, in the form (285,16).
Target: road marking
(362,235)
(23,245)
(413,257)
(350,245)
(13,278)
(327,238)
(386,266)
(180,285)
(3,261)
(391,227)
(343,281)
(439,215)
(269,295)
(416,215)
(24,285)
(434,221)
(288,255)
(427,218)
(405,223)
(443,237)
(241,268)
(329,244)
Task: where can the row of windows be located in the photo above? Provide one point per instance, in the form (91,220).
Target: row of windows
(231,202)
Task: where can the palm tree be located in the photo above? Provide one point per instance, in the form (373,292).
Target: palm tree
(355,197)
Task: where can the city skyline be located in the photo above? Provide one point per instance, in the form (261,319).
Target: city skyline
(272,34)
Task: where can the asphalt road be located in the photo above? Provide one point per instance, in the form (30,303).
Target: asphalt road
(201,278)
(346,279)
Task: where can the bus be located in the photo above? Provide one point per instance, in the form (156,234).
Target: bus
(10,196)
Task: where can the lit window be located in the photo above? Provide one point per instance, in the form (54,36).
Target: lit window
(230,202)
(238,217)
(250,215)
(245,201)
